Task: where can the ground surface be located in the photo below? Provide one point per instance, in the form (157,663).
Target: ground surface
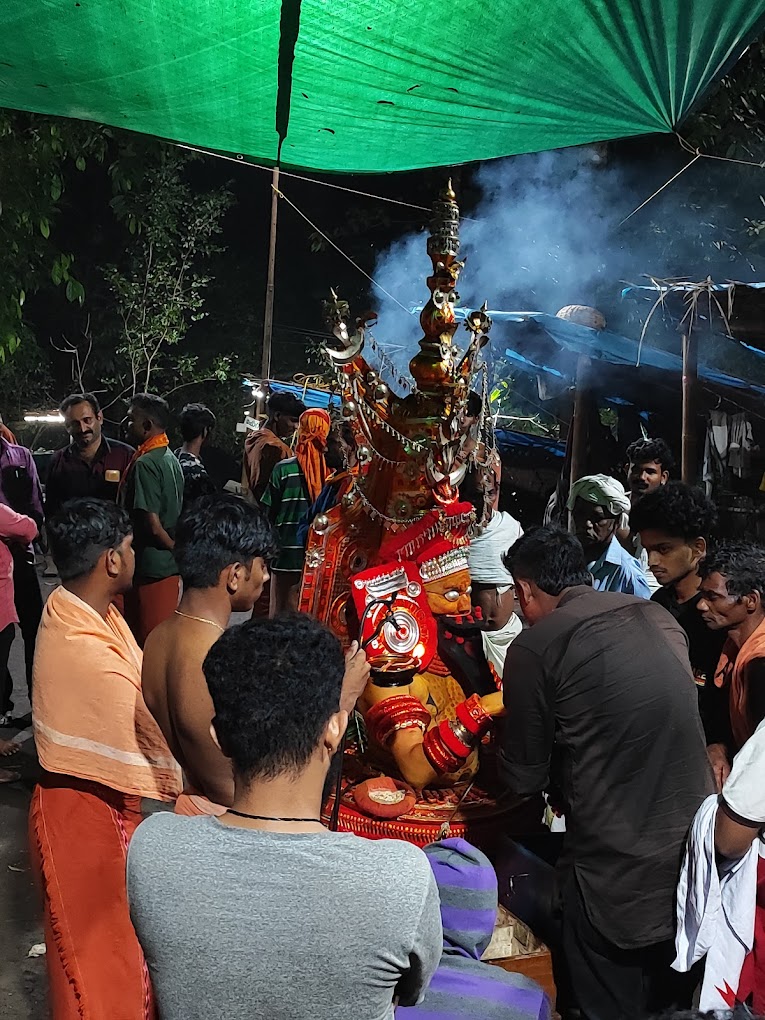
(22,979)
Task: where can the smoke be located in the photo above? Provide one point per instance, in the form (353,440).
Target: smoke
(545,233)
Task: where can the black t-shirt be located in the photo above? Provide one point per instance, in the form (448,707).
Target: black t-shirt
(605,679)
(704,650)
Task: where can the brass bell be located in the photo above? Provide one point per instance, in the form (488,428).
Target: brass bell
(320,523)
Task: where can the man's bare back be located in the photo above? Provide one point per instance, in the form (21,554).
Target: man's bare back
(175,690)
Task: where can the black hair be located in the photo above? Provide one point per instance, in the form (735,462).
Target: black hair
(550,557)
(646,451)
(474,404)
(344,429)
(155,408)
(195,418)
(80,398)
(742,564)
(471,490)
(274,684)
(217,531)
(284,402)
(676,509)
(81,531)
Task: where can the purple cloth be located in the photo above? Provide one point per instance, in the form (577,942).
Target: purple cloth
(463,987)
(19,483)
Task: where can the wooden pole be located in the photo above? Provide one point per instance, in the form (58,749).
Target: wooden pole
(578,438)
(690,379)
(268,314)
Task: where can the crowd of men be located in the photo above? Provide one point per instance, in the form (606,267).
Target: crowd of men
(632,649)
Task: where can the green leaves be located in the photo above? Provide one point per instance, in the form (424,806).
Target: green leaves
(75,291)
(44,227)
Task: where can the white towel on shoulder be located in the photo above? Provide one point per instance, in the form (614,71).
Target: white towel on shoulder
(489,546)
(715,911)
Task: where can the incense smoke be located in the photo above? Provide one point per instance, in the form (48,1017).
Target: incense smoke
(546,233)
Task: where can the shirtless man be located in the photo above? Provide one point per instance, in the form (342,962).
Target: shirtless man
(223,548)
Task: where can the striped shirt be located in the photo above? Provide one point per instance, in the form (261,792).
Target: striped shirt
(286,501)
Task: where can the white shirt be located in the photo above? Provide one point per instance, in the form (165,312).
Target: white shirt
(744,790)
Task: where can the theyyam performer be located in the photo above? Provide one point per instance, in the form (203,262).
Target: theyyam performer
(389,566)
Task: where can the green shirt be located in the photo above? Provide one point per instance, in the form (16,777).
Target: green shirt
(155,485)
(286,501)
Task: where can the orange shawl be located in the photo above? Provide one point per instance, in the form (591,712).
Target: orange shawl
(732,669)
(311,444)
(90,719)
(151,444)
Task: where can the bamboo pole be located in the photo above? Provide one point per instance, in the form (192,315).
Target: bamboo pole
(268,314)
(579,419)
(689,455)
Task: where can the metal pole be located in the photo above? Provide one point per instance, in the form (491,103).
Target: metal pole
(689,440)
(268,314)
(578,435)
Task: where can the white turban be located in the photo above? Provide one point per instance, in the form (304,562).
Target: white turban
(601,490)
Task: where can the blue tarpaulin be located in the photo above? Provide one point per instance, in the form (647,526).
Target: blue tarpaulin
(612,348)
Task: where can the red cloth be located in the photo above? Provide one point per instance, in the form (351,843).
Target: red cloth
(752,980)
(150,603)
(78,836)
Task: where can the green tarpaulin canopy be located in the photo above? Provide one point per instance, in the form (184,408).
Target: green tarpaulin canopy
(371,85)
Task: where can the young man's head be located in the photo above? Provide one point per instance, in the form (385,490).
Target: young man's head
(92,540)
(597,503)
(83,419)
(467,886)
(545,562)
(148,416)
(283,412)
(197,422)
(733,586)
(674,522)
(275,686)
(650,463)
(222,542)
(341,447)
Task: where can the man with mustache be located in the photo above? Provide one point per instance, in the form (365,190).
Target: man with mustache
(732,592)
(91,465)
(597,504)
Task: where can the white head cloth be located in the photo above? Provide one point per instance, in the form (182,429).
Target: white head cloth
(601,490)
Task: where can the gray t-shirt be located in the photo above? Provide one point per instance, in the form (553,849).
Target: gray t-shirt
(254,925)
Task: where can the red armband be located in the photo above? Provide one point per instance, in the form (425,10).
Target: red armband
(474,717)
(400,712)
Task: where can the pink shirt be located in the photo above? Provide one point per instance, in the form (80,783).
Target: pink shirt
(13,527)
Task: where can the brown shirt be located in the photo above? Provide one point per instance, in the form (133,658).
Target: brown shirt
(263,450)
(605,680)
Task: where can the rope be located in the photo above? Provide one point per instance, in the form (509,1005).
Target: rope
(659,190)
(309,180)
(708,155)
(340,251)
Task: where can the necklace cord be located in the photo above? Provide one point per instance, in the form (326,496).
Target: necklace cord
(270,818)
